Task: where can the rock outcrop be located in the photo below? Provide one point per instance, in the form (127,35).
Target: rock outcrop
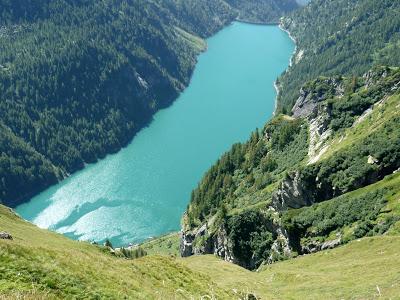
(222,246)
(201,241)
(315,246)
(310,106)
(319,133)
(188,238)
(5,236)
(372,160)
(375,75)
(306,105)
(291,193)
(281,245)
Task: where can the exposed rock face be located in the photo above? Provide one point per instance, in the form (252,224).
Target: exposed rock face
(306,105)
(317,246)
(309,106)
(207,246)
(281,245)
(372,160)
(299,56)
(374,75)
(319,134)
(217,244)
(5,236)
(222,246)
(291,193)
(186,245)
(331,244)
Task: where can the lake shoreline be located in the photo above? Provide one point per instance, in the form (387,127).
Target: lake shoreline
(124,143)
(26,198)
(291,61)
(257,22)
(143,189)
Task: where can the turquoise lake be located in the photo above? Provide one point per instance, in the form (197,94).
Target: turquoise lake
(142,191)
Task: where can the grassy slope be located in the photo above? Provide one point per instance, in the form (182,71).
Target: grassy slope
(165,245)
(38,263)
(353,271)
(381,114)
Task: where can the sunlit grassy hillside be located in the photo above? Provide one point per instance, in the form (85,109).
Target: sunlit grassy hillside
(38,264)
(364,269)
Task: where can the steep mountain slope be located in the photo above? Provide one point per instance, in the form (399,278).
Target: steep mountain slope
(313,178)
(344,137)
(262,11)
(79,78)
(339,37)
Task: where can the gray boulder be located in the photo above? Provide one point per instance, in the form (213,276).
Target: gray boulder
(291,193)
(307,104)
(5,236)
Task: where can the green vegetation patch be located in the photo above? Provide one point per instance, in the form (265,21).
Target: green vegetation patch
(345,110)
(372,210)
(247,175)
(163,245)
(251,236)
(363,269)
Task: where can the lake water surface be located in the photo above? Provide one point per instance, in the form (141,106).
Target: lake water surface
(142,191)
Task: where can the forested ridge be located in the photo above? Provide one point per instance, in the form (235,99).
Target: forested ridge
(319,174)
(248,173)
(305,183)
(262,11)
(78,78)
(339,37)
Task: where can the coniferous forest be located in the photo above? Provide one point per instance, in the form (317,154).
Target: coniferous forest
(78,78)
(339,37)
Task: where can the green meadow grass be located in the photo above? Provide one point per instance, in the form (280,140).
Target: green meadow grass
(363,269)
(39,264)
(381,115)
(164,245)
